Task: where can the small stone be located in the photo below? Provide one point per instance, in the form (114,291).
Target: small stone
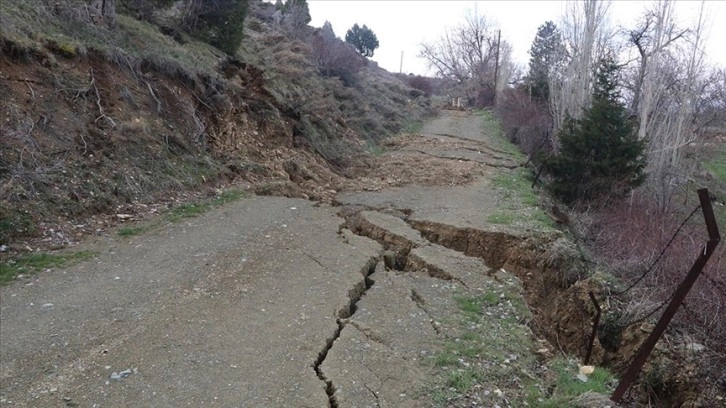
(121,374)
(587,370)
(389,259)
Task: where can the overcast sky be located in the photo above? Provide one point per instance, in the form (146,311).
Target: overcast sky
(403,25)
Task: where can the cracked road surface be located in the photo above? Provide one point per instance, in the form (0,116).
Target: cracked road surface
(266,302)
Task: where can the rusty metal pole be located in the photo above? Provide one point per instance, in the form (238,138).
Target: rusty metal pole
(595,323)
(640,358)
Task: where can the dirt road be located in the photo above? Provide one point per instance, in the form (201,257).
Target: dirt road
(270,302)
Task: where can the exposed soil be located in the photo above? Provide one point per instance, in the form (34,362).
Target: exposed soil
(265,278)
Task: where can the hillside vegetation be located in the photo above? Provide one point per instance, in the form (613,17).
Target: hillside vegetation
(100,120)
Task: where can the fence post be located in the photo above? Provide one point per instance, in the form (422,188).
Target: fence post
(642,355)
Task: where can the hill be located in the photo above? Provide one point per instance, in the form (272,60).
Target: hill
(99,121)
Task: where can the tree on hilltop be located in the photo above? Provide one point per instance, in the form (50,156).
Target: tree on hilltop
(363,39)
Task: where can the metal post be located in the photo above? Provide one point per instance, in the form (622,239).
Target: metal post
(640,358)
(595,323)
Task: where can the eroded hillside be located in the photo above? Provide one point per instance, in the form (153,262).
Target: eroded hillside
(98,122)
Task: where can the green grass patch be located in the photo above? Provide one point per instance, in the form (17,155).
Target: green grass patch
(190,210)
(133,231)
(493,129)
(519,202)
(39,261)
(716,164)
(374,148)
(412,126)
(187,210)
(568,387)
(491,345)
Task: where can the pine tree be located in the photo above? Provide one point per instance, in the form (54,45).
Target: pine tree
(600,154)
(544,54)
(363,39)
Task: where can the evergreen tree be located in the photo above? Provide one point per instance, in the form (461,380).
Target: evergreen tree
(600,154)
(363,39)
(217,22)
(545,53)
(327,31)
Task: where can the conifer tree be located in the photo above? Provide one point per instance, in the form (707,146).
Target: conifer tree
(600,154)
(363,39)
(545,52)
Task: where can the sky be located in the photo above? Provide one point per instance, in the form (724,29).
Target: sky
(401,26)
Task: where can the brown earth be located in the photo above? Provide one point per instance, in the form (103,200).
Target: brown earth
(275,301)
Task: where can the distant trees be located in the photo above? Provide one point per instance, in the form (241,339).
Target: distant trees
(333,57)
(600,154)
(545,53)
(296,13)
(585,41)
(363,39)
(468,53)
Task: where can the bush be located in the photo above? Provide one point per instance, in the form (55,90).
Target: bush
(527,122)
(217,22)
(334,58)
(421,83)
(600,154)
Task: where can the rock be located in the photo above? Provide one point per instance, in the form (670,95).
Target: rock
(389,259)
(587,369)
(122,374)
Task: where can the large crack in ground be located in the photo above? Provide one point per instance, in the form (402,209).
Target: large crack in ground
(354,295)
(551,271)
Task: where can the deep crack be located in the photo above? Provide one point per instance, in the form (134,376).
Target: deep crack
(354,295)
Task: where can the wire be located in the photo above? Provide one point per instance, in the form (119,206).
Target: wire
(652,312)
(640,279)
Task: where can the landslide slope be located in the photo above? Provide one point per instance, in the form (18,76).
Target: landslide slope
(96,121)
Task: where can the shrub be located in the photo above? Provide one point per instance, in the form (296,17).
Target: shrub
(217,22)
(334,58)
(421,83)
(526,122)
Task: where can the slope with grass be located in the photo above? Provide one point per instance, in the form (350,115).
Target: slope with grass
(98,122)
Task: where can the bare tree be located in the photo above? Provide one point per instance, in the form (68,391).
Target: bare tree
(586,41)
(669,82)
(467,53)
